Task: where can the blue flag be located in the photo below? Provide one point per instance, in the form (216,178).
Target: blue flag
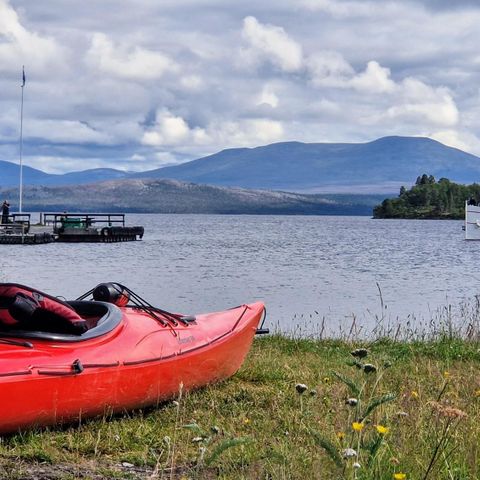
(23,77)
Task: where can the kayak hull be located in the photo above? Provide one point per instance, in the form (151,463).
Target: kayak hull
(137,364)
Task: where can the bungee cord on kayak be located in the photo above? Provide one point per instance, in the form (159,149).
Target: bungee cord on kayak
(121,295)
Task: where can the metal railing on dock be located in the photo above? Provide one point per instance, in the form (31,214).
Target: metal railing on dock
(16,229)
(63,219)
(68,227)
(90,227)
(16,221)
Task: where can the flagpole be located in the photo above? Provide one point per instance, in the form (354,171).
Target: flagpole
(21,145)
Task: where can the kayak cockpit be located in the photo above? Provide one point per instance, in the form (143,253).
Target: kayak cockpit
(29,313)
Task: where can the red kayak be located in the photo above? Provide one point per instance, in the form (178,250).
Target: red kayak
(61,361)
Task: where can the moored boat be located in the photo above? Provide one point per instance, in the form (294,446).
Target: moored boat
(64,360)
(472,220)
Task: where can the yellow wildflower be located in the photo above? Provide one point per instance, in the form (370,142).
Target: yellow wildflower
(340,435)
(382,430)
(477,393)
(446,374)
(414,394)
(357,426)
(399,476)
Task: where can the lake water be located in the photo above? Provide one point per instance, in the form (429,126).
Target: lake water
(306,269)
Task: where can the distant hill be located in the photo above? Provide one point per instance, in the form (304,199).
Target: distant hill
(381,166)
(172,196)
(9,176)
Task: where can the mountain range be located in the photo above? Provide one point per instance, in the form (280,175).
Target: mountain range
(380,166)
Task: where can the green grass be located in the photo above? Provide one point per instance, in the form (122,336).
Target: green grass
(256,425)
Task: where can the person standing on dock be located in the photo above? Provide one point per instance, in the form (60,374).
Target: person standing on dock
(5,212)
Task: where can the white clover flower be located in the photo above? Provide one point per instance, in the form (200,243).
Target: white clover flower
(352,402)
(349,453)
(356,465)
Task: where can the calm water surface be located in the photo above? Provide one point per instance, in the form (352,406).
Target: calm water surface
(304,268)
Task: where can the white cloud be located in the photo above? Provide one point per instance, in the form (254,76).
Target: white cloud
(268,97)
(248,132)
(131,62)
(164,158)
(458,139)
(348,9)
(271,43)
(62,164)
(64,131)
(375,79)
(408,100)
(20,46)
(418,101)
(335,8)
(192,82)
(173,131)
(168,130)
(329,69)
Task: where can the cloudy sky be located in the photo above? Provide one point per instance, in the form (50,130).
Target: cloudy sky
(138,84)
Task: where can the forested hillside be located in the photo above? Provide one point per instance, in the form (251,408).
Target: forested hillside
(429,198)
(172,196)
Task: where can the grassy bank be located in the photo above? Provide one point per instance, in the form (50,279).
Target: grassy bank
(417,414)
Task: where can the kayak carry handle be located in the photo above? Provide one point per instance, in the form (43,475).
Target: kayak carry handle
(262,331)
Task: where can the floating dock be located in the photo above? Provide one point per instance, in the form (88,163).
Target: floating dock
(18,230)
(69,227)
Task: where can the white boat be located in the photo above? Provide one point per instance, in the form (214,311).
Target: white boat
(472,221)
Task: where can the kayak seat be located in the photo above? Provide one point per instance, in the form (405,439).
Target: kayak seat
(101,317)
(28,309)
(29,313)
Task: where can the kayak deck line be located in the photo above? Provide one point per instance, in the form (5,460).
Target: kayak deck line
(15,374)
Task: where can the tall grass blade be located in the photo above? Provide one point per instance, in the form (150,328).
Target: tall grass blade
(225,445)
(373,448)
(376,402)
(329,447)
(348,382)
(195,428)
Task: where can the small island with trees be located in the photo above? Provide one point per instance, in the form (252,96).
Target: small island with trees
(429,199)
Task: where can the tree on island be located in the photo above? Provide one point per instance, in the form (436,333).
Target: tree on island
(429,199)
